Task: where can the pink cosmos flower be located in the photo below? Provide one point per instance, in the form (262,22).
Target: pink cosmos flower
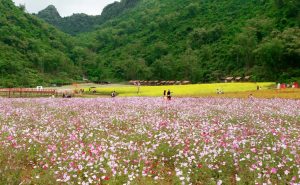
(273,170)
(10,138)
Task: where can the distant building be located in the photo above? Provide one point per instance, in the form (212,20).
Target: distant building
(185,82)
(85,79)
(247,78)
(39,88)
(238,79)
(229,79)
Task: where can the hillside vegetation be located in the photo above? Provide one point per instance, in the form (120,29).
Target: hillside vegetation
(31,51)
(200,41)
(80,23)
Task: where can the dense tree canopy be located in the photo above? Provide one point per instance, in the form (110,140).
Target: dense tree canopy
(80,23)
(32,52)
(201,41)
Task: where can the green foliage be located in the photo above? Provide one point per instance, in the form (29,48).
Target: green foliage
(281,55)
(77,23)
(200,41)
(80,23)
(117,8)
(32,52)
(203,36)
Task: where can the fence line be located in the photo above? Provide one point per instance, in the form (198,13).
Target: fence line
(21,92)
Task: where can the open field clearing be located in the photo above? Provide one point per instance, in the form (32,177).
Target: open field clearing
(194,90)
(149,141)
(268,93)
(231,90)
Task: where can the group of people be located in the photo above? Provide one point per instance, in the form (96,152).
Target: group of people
(113,94)
(93,90)
(66,95)
(220,91)
(167,94)
(289,85)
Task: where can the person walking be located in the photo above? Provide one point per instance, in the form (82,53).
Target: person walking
(138,84)
(165,95)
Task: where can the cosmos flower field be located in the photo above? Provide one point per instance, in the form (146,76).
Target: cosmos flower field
(149,141)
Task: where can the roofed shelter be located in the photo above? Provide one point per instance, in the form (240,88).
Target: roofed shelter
(185,82)
(229,79)
(247,78)
(238,79)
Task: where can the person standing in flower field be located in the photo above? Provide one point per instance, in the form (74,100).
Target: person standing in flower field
(138,84)
(169,95)
(113,94)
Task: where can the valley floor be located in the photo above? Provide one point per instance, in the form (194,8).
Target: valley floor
(230,90)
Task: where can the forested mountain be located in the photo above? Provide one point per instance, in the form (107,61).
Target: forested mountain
(201,41)
(80,23)
(32,52)
(77,23)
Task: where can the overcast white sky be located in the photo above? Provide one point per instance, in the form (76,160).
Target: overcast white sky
(66,7)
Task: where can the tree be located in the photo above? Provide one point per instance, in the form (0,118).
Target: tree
(192,9)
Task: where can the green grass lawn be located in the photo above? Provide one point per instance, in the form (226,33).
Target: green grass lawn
(181,90)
